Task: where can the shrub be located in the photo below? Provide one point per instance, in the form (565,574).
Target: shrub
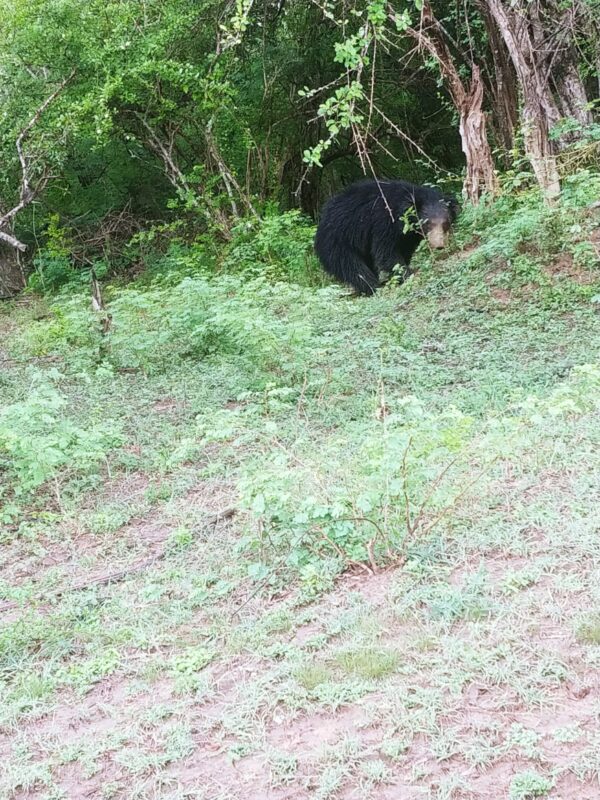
(352,507)
(155,327)
(278,246)
(197,319)
(38,441)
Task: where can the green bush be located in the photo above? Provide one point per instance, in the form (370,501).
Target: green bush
(39,441)
(198,319)
(71,330)
(279,247)
(155,327)
(52,272)
(351,507)
(528,785)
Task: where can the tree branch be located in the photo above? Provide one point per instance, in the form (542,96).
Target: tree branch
(28,192)
(12,241)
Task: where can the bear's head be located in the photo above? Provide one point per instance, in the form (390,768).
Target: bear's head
(437,216)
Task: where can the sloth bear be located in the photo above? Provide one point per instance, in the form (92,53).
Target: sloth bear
(371,226)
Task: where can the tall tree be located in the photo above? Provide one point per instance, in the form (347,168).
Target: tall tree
(468,100)
(540,38)
(539,109)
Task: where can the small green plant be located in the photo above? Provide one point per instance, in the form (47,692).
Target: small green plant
(53,268)
(39,442)
(525,740)
(579,394)
(82,675)
(180,540)
(528,785)
(395,747)
(280,247)
(588,629)
(283,767)
(369,663)
(400,489)
(374,772)
(312,675)
(517,580)
(568,734)
(194,659)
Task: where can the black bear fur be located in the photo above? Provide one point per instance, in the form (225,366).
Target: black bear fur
(363,233)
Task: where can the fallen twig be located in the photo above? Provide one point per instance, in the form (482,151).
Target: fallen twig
(119,575)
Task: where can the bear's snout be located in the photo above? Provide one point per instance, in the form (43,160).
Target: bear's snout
(437,237)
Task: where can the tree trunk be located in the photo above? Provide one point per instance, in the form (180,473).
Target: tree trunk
(561,23)
(468,102)
(539,150)
(473,135)
(520,33)
(570,90)
(12,279)
(503,84)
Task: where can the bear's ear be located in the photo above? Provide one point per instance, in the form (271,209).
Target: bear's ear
(453,205)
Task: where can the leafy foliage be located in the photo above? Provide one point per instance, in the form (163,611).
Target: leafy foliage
(279,247)
(39,442)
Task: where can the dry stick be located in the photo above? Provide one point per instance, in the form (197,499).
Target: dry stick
(301,399)
(428,528)
(364,519)
(369,547)
(434,485)
(409,526)
(408,139)
(115,577)
(11,362)
(27,194)
(386,150)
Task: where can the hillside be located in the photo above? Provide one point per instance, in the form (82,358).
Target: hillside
(265,540)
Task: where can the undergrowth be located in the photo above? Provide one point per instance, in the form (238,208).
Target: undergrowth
(396,461)
(185,476)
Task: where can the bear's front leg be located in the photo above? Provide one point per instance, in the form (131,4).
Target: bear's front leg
(395,265)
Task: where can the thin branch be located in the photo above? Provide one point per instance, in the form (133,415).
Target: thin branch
(27,192)
(12,240)
(227,176)
(433,486)
(116,577)
(407,514)
(172,170)
(448,508)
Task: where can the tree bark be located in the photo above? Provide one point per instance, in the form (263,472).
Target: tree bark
(568,86)
(468,101)
(503,84)
(521,33)
(475,145)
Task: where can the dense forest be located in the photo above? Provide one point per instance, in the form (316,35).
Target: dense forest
(174,120)
(262,538)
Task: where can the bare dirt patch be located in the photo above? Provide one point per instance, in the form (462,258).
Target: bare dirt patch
(563,266)
(476,740)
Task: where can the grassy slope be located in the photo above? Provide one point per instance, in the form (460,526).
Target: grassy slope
(236,664)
